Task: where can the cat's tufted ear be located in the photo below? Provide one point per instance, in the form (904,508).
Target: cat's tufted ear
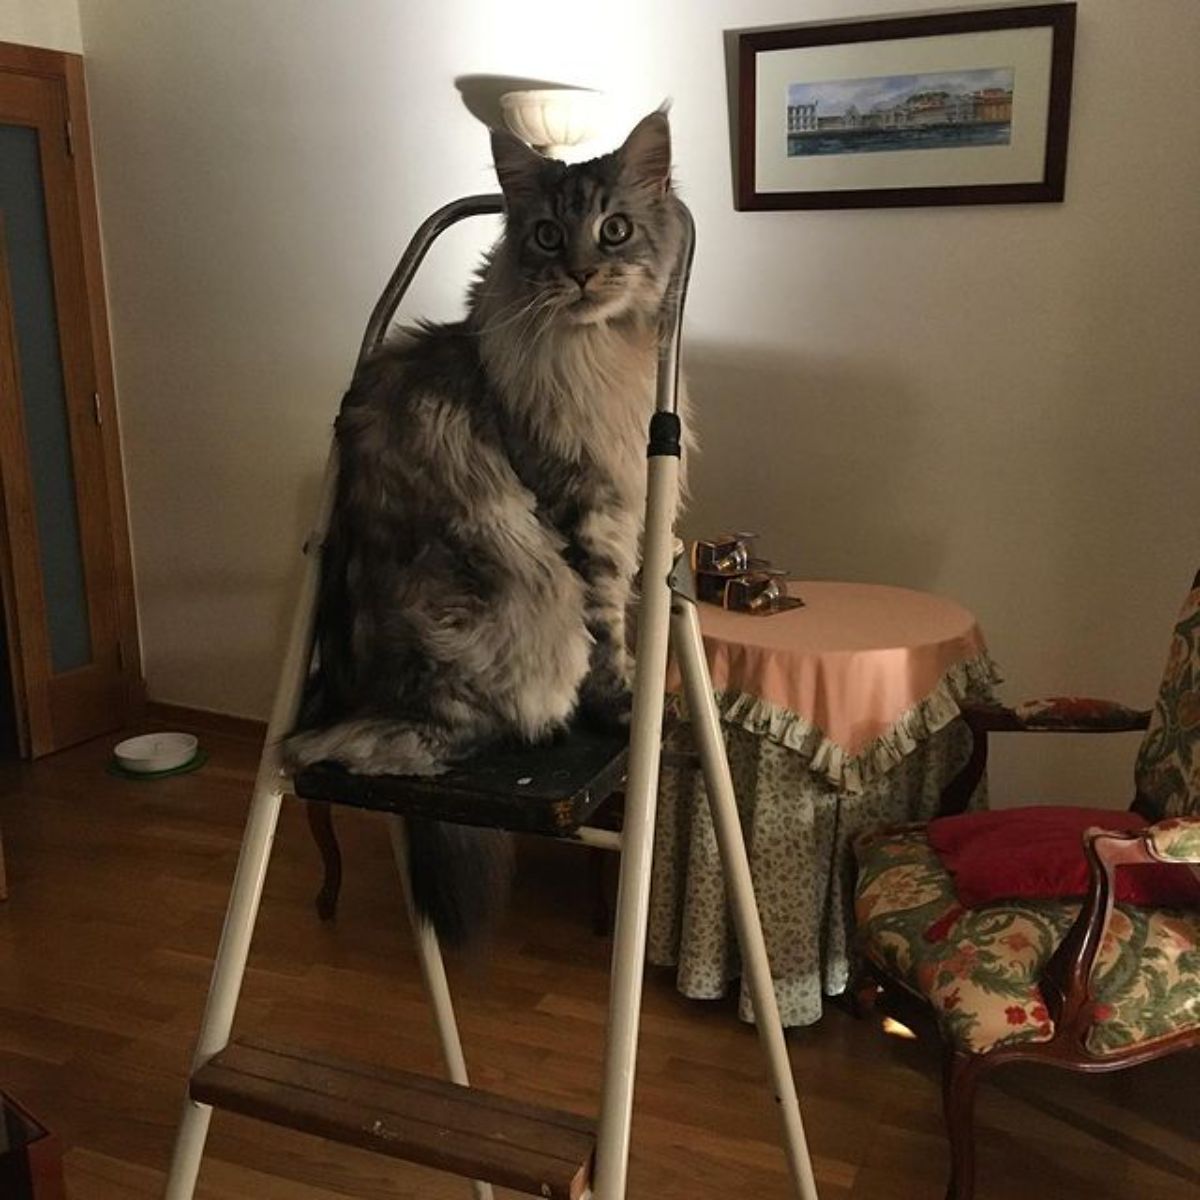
(646,155)
(517,166)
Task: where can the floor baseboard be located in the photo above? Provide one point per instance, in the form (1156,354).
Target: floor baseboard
(203,720)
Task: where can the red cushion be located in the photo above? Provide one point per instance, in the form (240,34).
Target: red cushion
(1036,853)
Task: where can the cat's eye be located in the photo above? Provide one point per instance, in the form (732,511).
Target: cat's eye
(615,229)
(548,235)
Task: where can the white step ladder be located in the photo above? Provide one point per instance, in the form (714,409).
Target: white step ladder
(451,1126)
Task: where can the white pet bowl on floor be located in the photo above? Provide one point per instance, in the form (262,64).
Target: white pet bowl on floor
(155,752)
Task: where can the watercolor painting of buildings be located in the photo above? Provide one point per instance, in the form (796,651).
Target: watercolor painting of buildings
(947,110)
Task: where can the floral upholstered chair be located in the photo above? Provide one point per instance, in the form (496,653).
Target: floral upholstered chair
(1095,986)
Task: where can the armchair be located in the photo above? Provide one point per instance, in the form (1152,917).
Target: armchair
(1096,986)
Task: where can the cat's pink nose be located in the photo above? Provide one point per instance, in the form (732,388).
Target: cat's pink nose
(581,278)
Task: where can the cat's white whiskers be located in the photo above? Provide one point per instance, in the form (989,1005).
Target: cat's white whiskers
(502,319)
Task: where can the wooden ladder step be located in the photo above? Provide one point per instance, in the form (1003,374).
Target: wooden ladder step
(462,1130)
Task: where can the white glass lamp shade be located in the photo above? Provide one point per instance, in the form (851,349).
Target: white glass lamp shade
(553,120)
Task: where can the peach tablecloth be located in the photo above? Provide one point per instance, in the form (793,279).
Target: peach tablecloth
(839,716)
(853,680)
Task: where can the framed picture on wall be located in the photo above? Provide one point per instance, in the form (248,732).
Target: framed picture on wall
(951,108)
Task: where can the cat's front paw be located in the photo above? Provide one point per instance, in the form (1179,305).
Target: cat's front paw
(609,709)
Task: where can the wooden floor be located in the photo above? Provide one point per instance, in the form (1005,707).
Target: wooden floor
(117,891)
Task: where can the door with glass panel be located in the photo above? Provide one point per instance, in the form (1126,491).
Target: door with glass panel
(58,567)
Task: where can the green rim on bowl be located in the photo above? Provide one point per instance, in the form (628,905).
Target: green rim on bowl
(193,764)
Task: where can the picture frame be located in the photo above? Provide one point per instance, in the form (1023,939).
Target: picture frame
(968,107)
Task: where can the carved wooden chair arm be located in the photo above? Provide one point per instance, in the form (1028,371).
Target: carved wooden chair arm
(1066,981)
(1054,714)
(1057,714)
(1174,839)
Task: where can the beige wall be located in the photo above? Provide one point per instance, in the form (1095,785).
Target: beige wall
(51,24)
(996,403)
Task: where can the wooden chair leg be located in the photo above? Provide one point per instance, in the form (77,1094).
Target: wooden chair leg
(862,992)
(320,822)
(958,792)
(960,1076)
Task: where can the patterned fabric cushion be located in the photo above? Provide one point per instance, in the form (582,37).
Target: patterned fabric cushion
(1168,765)
(979,968)
(1176,839)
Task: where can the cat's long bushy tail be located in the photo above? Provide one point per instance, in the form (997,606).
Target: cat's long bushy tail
(460,874)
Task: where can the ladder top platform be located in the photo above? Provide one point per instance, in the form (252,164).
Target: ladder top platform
(479,1135)
(551,789)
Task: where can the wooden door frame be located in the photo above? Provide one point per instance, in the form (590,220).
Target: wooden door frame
(18,572)
(68,70)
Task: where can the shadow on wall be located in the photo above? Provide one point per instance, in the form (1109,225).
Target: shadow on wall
(234,658)
(813,455)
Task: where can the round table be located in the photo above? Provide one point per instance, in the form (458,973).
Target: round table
(839,716)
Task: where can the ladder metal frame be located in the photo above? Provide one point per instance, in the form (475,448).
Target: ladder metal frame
(667,618)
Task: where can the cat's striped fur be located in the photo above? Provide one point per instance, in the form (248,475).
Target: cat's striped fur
(492,472)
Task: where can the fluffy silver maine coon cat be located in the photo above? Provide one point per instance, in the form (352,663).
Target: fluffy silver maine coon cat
(490,497)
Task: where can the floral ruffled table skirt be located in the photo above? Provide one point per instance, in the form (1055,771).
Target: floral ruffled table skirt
(799,825)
